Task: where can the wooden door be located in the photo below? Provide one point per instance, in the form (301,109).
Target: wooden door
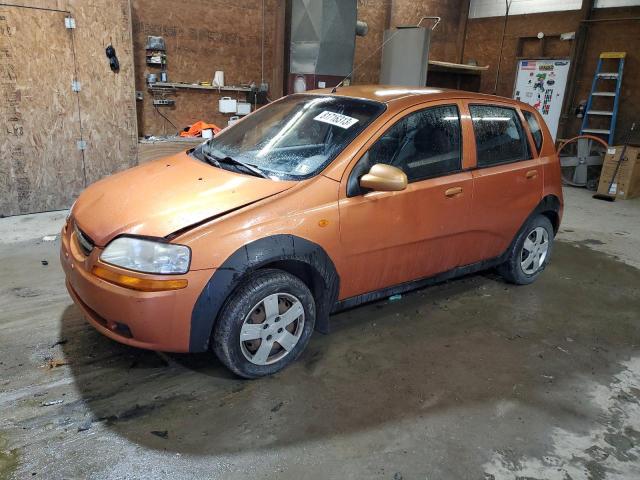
(41,167)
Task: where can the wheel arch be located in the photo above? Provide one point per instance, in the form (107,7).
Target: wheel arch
(550,207)
(295,255)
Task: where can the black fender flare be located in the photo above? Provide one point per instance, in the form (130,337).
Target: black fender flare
(279,251)
(549,203)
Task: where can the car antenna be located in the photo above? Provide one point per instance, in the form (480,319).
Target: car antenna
(335,89)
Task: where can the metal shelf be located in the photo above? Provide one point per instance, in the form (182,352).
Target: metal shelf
(190,86)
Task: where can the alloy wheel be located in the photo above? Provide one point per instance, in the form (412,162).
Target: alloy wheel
(534,251)
(272,329)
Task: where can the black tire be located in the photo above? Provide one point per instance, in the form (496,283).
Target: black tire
(512,270)
(258,286)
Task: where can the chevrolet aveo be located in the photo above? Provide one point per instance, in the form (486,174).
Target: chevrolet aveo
(314,203)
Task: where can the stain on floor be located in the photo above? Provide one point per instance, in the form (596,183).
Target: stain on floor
(8,459)
(471,379)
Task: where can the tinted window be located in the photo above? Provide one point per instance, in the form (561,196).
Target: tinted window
(423,144)
(499,135)
(534,126)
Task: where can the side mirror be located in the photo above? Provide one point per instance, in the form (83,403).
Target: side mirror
(384,178)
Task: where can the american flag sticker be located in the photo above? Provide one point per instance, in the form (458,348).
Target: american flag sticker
(527,65)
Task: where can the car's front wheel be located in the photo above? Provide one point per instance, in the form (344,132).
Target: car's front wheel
(530,253)
(265,324)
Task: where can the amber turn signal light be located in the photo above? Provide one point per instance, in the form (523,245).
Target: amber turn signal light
(136,283)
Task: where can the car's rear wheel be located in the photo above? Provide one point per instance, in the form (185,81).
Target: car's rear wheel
(265,324)
(530,253)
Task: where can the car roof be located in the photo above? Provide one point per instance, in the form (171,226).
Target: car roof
(391,94)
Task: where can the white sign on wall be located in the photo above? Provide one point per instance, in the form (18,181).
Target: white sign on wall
(542,84)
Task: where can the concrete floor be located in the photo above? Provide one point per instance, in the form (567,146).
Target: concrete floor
(472,379)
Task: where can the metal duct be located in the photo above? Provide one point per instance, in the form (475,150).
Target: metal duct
(323,36)
(405,56)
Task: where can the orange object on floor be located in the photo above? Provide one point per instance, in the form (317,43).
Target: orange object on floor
(196,129)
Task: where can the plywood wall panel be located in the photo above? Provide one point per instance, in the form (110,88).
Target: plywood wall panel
(40,166)
(44,170)
(107,99)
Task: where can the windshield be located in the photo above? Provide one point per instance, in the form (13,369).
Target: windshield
(293,138)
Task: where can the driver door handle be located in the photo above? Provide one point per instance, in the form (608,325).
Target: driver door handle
(531,174)
(452,192)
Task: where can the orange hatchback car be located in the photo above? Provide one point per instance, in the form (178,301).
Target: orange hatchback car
(314,203)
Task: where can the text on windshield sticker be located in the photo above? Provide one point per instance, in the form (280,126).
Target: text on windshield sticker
(336,119)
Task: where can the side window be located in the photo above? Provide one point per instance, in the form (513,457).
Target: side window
(423,144)
(534,126)
(499,135)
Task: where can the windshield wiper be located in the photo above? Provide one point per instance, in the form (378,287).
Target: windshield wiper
(251,168)
(217,160)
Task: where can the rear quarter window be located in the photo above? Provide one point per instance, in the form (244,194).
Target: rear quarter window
(500,137)
(534,126)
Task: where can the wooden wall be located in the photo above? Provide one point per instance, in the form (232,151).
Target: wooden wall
(41,167)
(613,36)
(382,14)
(204,36)
(376,14)
(483,45)
(224,35)
(107,99)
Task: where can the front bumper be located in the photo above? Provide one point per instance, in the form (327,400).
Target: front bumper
(150,320)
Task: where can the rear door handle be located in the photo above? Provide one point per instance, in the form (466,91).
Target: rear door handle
(452,192)
(531,174)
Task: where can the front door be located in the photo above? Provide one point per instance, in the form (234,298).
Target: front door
(390,238)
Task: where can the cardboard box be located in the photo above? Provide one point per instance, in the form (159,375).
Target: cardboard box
(627,181)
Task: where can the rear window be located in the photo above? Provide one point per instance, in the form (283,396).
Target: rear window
(534,126)
(499,135)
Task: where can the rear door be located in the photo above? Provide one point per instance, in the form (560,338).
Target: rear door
(507,178)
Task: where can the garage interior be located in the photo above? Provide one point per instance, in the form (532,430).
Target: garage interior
(472,378)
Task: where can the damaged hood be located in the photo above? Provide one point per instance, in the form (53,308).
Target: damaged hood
(166,195)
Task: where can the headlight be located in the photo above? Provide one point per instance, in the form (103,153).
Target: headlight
(147,256)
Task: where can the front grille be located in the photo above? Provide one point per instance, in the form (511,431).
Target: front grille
(84,242)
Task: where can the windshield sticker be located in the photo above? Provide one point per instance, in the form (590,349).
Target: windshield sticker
(336,119)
